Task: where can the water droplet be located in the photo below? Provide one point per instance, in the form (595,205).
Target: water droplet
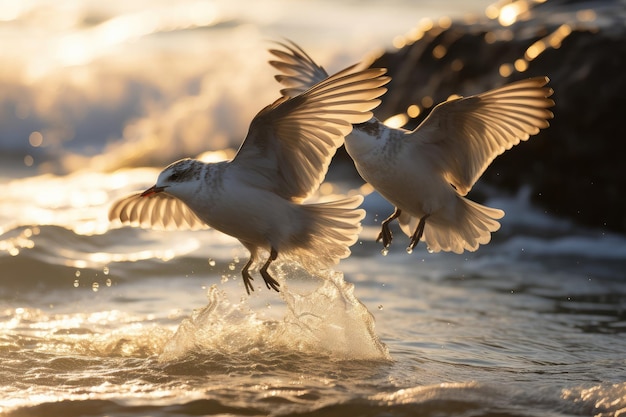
(430,250)
(77,274)
(380,306)
(95,287)
(108,282)
(385,251)
(76,283)
(224,279)
(236,259)
(105,270)
(409,250)
(231,266)
(211,262)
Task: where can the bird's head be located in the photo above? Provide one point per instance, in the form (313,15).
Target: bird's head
(178,179)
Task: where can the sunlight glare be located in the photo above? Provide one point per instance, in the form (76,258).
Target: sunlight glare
(216,156)
(510,12)
(397,120)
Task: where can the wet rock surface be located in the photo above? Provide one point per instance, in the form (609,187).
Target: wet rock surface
(576,167)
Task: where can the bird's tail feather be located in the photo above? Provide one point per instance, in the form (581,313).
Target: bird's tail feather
(469,225)
(332,227)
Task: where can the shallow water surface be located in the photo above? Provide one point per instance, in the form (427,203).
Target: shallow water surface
(137,322)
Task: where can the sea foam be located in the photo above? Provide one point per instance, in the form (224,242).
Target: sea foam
(327,320)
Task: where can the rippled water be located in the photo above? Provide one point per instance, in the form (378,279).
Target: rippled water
(101,320)
(135,322)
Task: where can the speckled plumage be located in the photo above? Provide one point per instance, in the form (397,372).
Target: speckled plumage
(425,173)
(257,196)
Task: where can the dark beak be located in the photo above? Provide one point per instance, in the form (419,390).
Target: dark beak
(152,190)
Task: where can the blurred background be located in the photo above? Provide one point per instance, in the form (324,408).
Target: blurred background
(88,85)
(97,96)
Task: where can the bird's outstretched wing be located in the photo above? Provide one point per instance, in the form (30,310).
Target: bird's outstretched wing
(157,211)
(298,71)
(461,137)
(290,143)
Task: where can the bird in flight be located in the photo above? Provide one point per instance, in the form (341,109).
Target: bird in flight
(427,172)
(258,196)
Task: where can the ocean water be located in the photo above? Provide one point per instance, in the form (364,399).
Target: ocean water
(100,320)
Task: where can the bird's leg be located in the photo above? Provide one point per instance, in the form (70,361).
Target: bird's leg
(418,233)
(385,234)
(247,278)
(270,282)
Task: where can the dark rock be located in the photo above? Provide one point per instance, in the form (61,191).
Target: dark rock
(576,167)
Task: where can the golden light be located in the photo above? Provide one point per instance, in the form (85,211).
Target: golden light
(520,65)
(508,14)
(326,188)
(439,51)
(505,70)
(557,37)
(397,120)
(414,34)
(492,11)
(399,42)
(553,40)
(445,22)
(427,102)
(413,111)
(535,50)
(216,156)
(425,24)
(366,189)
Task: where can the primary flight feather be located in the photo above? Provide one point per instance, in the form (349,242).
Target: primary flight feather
(426,172)
(257,197)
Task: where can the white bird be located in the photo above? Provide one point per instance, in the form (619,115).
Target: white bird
(425,173)
(257,197)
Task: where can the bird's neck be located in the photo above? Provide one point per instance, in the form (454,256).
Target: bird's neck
(365,137)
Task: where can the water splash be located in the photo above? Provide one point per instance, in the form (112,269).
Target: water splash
(325,321)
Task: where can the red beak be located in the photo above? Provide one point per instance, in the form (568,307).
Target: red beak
(152,190)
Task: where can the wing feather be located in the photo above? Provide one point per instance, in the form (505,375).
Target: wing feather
(298,71)
(292,141)
(463,136)
(158,211)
